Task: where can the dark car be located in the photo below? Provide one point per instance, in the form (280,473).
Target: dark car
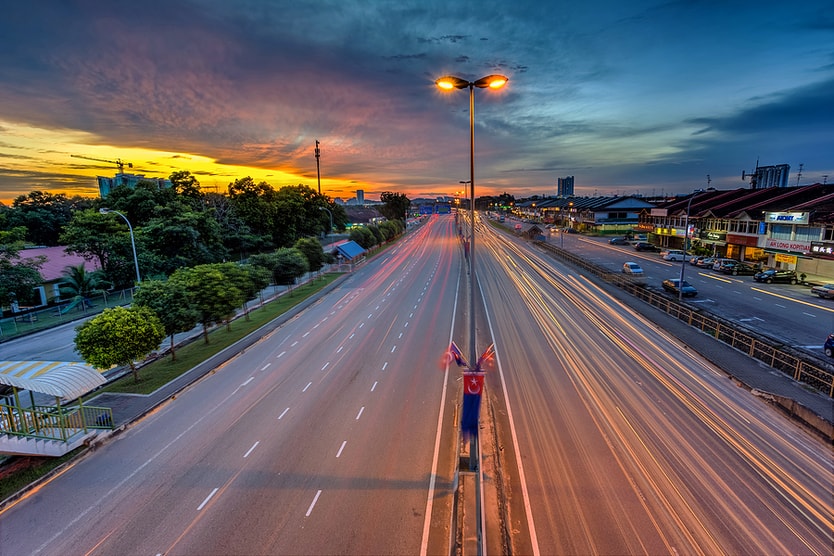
(740,268)
(825,291)
(646,246)
(673,285)
(618,241)
(828,346)
(772,275)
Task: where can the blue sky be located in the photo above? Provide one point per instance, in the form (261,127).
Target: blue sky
(629,97)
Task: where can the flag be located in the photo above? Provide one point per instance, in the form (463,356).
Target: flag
(488,354)
(454,350)
(473,386)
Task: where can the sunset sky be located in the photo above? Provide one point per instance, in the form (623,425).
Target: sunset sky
(644,97)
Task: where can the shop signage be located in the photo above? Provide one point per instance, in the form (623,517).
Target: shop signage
(822,249)
(788,245)
(785,259)
(787,217)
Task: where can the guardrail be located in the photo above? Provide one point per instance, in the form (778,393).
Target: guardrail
(803,367)
(47,422)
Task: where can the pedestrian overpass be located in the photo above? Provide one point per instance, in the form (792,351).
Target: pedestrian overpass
(28,428)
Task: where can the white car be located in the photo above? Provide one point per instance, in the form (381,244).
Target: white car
(632,268)
(674,255)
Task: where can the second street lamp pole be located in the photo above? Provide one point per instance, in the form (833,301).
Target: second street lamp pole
(132,242)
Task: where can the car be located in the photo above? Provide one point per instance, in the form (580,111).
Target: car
(825,291)
(673,285)
(646,246)
(740,268)
(632,268)
(569,231)
(618,241)
(719,264)
(828,346)
(674,255)
(694,260)
(705,262)
(776,275)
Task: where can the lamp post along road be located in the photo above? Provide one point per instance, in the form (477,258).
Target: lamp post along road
(132,242)
(448,83)
(331,220)
(685,243)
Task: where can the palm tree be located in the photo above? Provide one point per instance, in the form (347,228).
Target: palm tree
(77,282)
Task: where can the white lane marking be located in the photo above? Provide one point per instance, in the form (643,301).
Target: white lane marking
(384,365)
(358,415)
(375,309)
(305,334)
(340,349)
(809,314)
(213,492)
(339,453)
(265,367)
(295,343)
(410,315)
(283,413)
(308,385)
(280,354)
(312,504)
(400,336)
(370,315)
(251,378)
(374,386)
(393,348)
(325,365)
(361,324)
(405,325)
(252,448)
(316,325)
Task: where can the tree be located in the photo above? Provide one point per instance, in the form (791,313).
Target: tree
(91,234)
(214,296)
(119,336)
(394,205)
(290,264)
(77,281)
(170,302)
(44,214)
(363,236)
(18,277)
(312,251)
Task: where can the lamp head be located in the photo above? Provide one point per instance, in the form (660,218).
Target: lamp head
(450,82)
(104,210)
(491,81)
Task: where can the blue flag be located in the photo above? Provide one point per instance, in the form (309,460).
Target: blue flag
(454,350)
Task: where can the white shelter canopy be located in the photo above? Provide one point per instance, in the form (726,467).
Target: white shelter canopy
(67,380)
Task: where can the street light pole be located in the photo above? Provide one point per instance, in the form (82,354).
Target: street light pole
(685,242)
(449,83)
(331,220)
(132,242)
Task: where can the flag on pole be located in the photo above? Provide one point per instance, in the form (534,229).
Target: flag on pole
(454,350)
(488,354)
(473,386)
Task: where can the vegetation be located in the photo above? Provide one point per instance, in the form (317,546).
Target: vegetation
(119,336)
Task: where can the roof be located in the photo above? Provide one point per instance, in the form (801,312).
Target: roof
(63,379)
(350,249)
(56,261)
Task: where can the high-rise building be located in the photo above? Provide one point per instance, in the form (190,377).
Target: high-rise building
(770,176)
(360,196)
(565,187)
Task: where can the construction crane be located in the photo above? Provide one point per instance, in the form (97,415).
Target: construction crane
(118,162)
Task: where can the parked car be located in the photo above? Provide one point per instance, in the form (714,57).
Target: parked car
(674,255)
(673,285)
(828,346)
(646,246)
(569,231)
(776,275)
(745,269)
(618,241)
(632,268)
(694,260)
(825,291)
(719,264)
(705,262)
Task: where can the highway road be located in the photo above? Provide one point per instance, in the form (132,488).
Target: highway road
(322,438)
(629,443)
(335,434)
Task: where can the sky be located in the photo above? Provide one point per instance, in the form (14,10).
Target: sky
(639,97)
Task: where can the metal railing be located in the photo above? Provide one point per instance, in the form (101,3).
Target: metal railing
(803,367)
(52,423)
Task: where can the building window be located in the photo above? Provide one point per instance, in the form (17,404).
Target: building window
(808,234)
(780,231)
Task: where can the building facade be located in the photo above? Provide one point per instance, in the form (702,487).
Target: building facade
(564,187)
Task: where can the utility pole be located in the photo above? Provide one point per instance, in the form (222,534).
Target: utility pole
(318,169)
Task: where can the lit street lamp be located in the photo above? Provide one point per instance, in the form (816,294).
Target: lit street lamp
(685,242)
(132,242)
(448,83)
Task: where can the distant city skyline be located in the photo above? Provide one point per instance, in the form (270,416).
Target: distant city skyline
(645,97)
